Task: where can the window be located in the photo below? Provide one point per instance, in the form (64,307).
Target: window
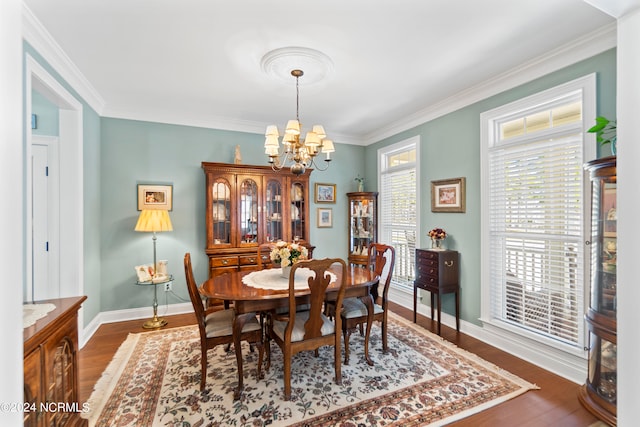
(398,207)
(535,211)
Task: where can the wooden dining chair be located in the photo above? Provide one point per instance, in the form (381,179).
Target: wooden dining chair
(216,327)
(264,255)
(309,329)
(381,259)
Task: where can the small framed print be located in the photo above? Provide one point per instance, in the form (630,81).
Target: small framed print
(325,193)
(155,197)
(325,217)
(448,195)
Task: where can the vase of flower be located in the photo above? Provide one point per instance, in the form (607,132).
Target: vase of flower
(285,271)
(437,244)
(286,254)
(437,236)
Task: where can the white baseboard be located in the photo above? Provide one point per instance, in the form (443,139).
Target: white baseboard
(560,363)
(129,314)
(568,366)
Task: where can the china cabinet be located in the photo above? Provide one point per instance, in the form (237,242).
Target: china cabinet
(599,394)
(363,225)
(249,205)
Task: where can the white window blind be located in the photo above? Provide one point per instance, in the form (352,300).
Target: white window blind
(535,217)
(536,225)
(398,209)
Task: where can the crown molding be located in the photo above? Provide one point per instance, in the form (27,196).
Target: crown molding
(34,33)
(189,118)
(598,41)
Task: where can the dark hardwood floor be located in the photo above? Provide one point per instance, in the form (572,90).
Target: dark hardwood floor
(555,404)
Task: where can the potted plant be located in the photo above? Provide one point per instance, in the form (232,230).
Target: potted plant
(606,132)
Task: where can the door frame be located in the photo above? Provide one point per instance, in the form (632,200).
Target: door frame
(71,224)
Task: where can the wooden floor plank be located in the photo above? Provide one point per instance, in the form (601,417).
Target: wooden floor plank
(555,404)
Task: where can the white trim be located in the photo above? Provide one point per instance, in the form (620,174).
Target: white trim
(592,44)
(71,178)
(567,366)
(41,40)
(113,316)
(564,363)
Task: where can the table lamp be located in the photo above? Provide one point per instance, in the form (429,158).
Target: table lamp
(154,221)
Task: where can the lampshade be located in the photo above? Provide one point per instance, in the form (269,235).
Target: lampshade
(154,220)
(293,127)
(271,141)
(311,139)
(272,130)
(319,130)
(327,146)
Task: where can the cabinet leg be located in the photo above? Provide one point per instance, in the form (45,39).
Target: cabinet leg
(415,306)
(457,312)
(439,302)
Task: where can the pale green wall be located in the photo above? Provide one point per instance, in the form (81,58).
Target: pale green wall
(119,154)
(135,152)
(47,115)
(450,147)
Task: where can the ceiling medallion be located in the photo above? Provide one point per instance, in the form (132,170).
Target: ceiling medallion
(278,64)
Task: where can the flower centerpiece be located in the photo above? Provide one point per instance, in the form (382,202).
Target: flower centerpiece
(437,235)
(286,254)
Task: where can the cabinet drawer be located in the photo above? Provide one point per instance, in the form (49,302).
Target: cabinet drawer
(216,262)
(423,269)
(426,255)
(249,259)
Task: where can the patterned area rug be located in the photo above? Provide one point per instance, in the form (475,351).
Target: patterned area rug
(154,381)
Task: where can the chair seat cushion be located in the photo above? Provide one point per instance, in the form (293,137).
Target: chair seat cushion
(220,323)
(298,329)
(353,307)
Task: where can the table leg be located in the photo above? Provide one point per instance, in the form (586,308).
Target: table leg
(368,301)
(238,325)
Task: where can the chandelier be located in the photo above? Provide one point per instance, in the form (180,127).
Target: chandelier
(299,154)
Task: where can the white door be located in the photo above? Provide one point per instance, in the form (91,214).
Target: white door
(44,217)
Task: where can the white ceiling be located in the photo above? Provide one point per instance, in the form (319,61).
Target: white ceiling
(198,61)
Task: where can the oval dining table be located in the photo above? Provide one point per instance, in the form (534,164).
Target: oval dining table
(250,299)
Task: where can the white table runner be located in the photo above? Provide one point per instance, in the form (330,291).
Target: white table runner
(272,279)
(33,312)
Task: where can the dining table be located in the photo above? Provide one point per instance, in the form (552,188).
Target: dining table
(265,290)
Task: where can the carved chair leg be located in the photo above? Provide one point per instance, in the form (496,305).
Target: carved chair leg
(203,370)
(346,333)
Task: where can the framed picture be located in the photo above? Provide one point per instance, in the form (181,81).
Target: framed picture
(448,195)
(325,193)
(325,217)
(155,197)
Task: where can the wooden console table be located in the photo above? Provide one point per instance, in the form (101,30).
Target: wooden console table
(51,367)
(437,271)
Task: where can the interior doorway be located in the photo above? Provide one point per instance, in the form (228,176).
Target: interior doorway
(60,219)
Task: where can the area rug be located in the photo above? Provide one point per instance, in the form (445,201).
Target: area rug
(154,380)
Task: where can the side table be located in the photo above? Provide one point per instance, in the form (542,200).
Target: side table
(155,322)
(437,271)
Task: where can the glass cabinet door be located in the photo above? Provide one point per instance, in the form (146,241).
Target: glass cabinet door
(274,211)
(599,394)
(297,212)
(605,245)
(362,225)
(249,212)
(221,211)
